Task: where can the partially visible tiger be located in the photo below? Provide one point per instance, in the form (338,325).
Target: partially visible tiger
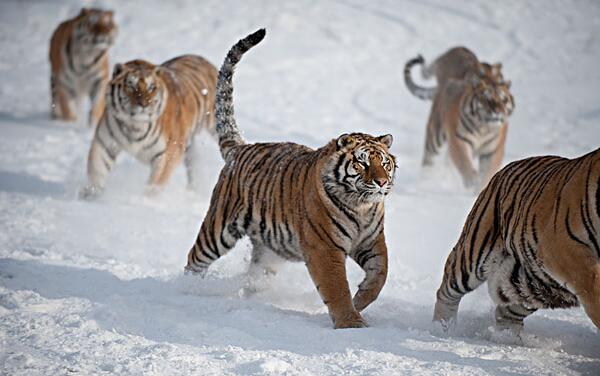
(457,63)
(153,112)
(534,236)
(79,63)
(317,206)
(471,115)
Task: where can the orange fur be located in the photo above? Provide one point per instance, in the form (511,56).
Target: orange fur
(79,63)
(287,199)
(534,235)
(153,113)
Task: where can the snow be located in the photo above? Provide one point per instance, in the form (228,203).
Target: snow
(97,287)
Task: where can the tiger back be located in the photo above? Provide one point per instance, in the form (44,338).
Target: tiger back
(534,235)
(458,63)
(79,63)
(153,113)
(300,204)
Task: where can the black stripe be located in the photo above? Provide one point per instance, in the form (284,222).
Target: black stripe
(108,151)
(157,155)
(570,231)
(69,54)
(316,231)
(464,139)
(338,204)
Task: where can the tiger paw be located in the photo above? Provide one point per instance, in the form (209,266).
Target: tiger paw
(352,320)
(195,271)
(89,192)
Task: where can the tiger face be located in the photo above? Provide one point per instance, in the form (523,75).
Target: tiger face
(96,29)
(363,168)
(137,90)
(492,103)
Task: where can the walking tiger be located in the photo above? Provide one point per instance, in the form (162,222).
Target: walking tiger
(470,111)
(534,236)
(79,63)
(153,112)
(316,206)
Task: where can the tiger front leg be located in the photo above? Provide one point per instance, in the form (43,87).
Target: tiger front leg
(64,101)
(97,99)
(461,155)
(101,158)
(162,166)
(375,264)
(490,162)
(327,268)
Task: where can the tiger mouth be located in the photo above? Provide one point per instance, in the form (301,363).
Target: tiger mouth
(494,120)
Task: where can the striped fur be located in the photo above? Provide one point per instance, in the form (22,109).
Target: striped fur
(472,118)
(153,113)
(316,206)
(458,63)
(470,108)
(79,63)
(534,236)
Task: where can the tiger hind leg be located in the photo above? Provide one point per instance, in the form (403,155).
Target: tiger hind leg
(263,267)
(511,317)
(457,282)
(212,242)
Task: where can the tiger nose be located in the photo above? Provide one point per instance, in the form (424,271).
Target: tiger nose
(380,181)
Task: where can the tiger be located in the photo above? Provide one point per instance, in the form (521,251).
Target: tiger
(534,235)
(153,112)
(79,63)
(457,63)
(471,115)
(300,204)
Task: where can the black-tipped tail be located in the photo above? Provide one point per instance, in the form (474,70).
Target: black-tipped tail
(227,130)
(426,93)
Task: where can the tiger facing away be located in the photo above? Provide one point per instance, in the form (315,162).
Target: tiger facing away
(534,235)
(316,206)
(79,63)
(471,115)
(153,112)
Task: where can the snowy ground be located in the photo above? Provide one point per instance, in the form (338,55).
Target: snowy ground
(97,288)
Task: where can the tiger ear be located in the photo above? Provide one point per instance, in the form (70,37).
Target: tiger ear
(84,11)
(508,83)
(118,68)
(344,141)
(386,139)
(496,68)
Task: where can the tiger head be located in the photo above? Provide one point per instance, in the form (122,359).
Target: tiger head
(137,90)
(95,29)
(492,72)
(491,102)
(362,168)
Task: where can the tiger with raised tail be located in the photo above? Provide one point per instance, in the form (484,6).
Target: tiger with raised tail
(534,235)
(79,63)
(153,113)
(470,111)
(316,206)
(457,63)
